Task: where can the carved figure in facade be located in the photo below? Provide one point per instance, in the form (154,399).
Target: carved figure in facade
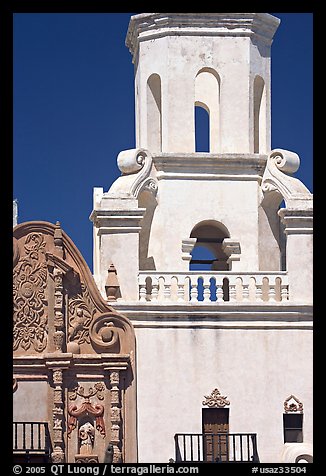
(86,436)
(78,324)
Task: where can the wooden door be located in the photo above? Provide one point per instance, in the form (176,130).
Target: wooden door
(215,434)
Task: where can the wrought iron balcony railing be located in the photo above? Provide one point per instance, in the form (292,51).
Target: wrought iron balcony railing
(216,447)
(31,442)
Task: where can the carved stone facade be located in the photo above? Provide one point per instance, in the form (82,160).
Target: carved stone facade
(69,341)
(30,303)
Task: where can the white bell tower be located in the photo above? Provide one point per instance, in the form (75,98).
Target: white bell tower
(206,318)
(218,61)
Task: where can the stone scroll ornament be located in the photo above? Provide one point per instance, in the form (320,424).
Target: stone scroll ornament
(29,283)
(135,166)
(278,181)
(215,400)
(85,326)
(87,408)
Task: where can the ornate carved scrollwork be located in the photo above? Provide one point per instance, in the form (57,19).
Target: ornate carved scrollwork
(103,332)
(293,405)
(85,326)
(215,400)
(29,283)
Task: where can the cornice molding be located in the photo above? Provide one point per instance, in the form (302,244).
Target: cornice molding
(249,316)
(147,26)
(118,220)
(297,221)
(209,166)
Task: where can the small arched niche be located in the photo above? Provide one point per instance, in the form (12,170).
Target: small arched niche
(208,253)
(207,98)
(154,113)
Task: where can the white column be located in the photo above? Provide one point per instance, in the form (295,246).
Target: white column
(299,252)
(119,244)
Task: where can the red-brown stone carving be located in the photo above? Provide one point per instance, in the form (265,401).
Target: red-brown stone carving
(97,410)
(80,316)
(293,404)
(29,282)
(59,312)
(215,399)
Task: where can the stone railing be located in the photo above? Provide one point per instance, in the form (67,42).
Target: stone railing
(214,287)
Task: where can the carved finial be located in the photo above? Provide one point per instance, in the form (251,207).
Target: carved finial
(112,286)
(57,238)
(215,399)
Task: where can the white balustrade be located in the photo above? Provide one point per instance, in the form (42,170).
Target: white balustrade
(213,287)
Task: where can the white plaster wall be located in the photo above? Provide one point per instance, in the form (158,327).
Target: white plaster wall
(300,270)
(30,401)
(188,202)
(178,59)
(255,369)
(121,249)
(269,250)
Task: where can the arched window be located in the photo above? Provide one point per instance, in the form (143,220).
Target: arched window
(259,115)
(208,253)
(154,113)
(201,129)
(207,109)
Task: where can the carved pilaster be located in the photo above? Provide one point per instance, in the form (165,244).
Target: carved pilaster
(57,455)
(59,334)
(115,416)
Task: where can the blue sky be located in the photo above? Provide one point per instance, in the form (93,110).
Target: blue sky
(74,109)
